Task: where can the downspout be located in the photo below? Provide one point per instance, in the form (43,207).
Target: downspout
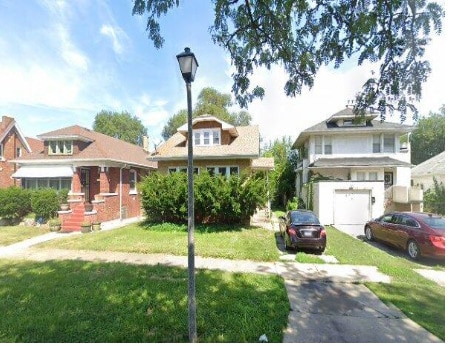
(121,192)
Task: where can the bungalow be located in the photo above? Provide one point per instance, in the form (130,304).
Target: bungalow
(97,169)
(422,175)
(218,147)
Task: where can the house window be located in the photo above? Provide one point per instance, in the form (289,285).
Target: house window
(132,180)
(206,137)
(373,176)
(327,145)
(360,176)
(18,152)
(376,144)
(223,170)
(1,151)
(389,144)
(60,148)
(196,170)
(318,144)
(54,183)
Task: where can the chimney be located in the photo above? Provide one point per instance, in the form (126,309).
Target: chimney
(145,143)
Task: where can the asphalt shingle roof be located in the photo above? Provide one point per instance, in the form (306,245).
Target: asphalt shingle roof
(245,145)
(434,165)
(99,147)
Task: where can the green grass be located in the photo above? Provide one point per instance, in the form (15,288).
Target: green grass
(75,301)
(14,234)
(420,299)
(229,242)
(304,257)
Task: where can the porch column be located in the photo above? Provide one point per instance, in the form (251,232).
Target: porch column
(104,183)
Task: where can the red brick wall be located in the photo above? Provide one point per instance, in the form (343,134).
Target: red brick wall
(10,144)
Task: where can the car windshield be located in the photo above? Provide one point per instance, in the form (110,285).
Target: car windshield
(304,218)
(434,222)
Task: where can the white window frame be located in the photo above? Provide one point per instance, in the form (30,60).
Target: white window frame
(390,148)
(173,169)
(60,147)
(132,181)
(216,170)
(207,137)
(376,144)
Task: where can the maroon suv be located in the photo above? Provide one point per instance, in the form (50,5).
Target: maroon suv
(420,234)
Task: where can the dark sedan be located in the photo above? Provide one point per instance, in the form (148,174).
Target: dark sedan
(420,234)
(301,229)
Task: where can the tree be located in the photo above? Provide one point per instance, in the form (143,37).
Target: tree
(304,35)
(209,101)
(434,198)
(282,179)
(120,125)
(428,139)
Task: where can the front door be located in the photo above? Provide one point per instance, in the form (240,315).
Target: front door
(85,183)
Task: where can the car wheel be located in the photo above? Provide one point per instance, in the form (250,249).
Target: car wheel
(369,234)
(413,249)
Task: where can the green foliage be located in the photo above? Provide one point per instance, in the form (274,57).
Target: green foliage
(212,102)
(14,202)
(434,198)
(217,199)
(63,195)
(303,36)
(428,139)
(44,203)
(282,179)
(120,125)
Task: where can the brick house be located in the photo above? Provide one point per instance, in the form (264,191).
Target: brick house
(96,168)
(12,146)
(219,148)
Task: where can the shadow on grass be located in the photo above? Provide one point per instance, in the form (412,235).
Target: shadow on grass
(399,253)
(75,301)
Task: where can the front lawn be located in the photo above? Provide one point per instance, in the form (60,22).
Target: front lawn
(231,242)
(75,301)
(420,299)
(14,234)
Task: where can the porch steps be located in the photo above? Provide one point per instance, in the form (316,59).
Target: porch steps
(73,223)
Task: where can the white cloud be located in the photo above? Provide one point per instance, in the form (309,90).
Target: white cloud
(117,36)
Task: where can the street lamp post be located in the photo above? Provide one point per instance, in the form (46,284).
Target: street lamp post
(188,66)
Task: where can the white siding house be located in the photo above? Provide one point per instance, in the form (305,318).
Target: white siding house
(360,168)
(422,175)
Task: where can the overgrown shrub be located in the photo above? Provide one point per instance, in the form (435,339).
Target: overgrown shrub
(15,202)
(217,199)
(45,203)
(434,198)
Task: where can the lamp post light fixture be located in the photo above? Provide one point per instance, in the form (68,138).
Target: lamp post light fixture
(188,66)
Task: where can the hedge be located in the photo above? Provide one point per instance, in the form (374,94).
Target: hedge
(217,199)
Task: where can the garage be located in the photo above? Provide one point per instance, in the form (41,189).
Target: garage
(352,207)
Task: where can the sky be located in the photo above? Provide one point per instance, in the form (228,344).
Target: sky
(62,62)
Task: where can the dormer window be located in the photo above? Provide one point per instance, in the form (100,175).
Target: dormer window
(207,137)
(60,147)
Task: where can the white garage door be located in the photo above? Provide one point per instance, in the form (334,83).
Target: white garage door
(351,207)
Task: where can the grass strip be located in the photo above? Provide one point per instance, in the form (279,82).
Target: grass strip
(231,242)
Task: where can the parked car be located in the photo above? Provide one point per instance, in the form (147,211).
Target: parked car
(301,229)
(420,234)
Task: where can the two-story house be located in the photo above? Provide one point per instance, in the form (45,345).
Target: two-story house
(98,170)
(360,168)
(12,145)
(218,147)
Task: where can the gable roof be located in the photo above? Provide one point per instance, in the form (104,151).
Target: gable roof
(246,145)
(329,127)
(432,166)
(6,126)
(99,147)
(206,117)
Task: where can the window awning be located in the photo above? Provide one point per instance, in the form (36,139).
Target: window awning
(44,172)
